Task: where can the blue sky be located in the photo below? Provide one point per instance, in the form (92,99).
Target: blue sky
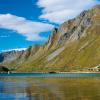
(29,22)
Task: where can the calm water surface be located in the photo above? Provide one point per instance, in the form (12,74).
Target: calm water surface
(49,88)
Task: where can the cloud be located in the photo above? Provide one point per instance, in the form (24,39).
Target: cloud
(4,36)
(30,29)
(58,11)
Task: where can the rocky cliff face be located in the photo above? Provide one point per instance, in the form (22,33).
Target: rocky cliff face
(75,45)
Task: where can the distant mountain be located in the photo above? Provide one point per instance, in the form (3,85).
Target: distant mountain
(9,50)
(74,46)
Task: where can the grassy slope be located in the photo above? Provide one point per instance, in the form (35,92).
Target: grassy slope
(80,54)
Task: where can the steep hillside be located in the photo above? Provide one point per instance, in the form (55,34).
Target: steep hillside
(74,46)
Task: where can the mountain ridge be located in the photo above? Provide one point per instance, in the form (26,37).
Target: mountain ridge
(76,38)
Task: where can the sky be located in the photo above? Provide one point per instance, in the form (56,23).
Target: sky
(29,22)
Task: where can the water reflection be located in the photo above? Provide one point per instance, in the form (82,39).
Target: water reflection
(49,89)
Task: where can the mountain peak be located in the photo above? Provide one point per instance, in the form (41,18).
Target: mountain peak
(74,45)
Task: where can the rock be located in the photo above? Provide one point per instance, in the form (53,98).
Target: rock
(73,43)
(55,53)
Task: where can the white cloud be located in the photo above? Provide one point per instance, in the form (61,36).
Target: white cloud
(4,36)
(58,11)
(27,28)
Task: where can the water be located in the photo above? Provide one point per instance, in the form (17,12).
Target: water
(49,86)
(50,75)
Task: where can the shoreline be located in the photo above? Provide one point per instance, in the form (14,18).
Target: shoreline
(46,72)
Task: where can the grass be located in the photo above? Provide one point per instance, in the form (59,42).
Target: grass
(78,55)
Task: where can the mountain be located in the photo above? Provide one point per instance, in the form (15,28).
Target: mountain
(74,46)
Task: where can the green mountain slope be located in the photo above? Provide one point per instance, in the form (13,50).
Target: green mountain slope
(74,46)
